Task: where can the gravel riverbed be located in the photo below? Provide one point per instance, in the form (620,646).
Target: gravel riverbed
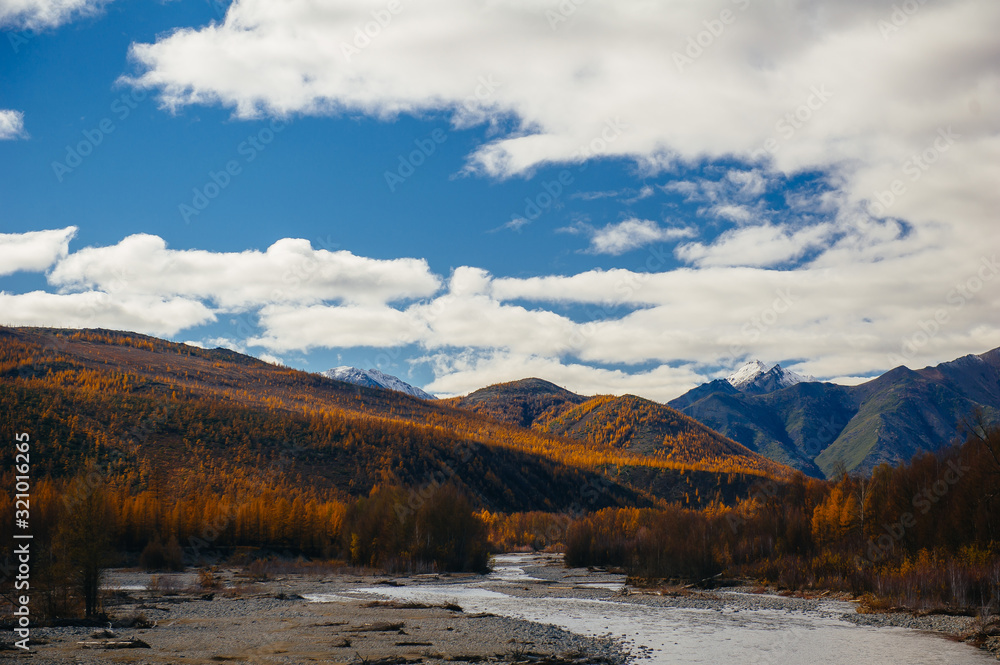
(373,620)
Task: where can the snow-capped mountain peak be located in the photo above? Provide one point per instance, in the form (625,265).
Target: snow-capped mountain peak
(374,378)
(746,374)
(756,377)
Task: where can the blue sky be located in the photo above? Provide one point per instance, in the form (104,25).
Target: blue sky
(616,198)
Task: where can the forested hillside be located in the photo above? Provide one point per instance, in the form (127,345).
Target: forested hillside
(626,424)
(165,422)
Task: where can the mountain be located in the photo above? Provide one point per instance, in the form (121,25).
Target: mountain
(172,419)
(521,403)
(755,378)
(819,428)
(625,423)
(373,378)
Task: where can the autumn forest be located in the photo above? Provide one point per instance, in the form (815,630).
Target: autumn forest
(161,455)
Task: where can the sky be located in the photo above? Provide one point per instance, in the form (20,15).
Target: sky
(617,196)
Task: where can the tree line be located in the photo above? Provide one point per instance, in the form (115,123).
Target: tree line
(925,534)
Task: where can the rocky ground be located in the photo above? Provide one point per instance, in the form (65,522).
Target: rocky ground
(271,622)
(276,620)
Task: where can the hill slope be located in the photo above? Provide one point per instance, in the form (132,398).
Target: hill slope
(638,425)
(627,423)
(180,417)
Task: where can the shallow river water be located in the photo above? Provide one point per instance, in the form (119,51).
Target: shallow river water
(731,631)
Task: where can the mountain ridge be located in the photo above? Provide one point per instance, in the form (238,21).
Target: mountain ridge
(193,420)
(625,422)
(756,378)
(819,427)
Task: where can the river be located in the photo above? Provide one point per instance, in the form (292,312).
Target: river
(727,627)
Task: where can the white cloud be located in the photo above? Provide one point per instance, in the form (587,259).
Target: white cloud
(96,309)
(302,328)
(631,234)
(820,318)
(594,196)
(644,193)
(234,345)
(268,358)
(34,251)
(11,124)
(290,271)
(864,287)
(735,213)
(863,102)
(38,14)
(759,246)
(462,373)
(750,184)
(221,343)
(290,58)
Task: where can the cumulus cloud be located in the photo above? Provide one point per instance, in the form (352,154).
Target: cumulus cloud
(289,271)
(297,57)
(843,284)
(818,318)
(304,297)
(460,373)
(34,251)
(832,322)
(805,86)
(97,309)
(38,14)
(304,328)
(11,125)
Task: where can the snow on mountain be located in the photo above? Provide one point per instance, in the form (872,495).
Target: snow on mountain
(756,377)
(746,374)
(373,378)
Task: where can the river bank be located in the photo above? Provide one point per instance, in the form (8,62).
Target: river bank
(301,619)
(530,609)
